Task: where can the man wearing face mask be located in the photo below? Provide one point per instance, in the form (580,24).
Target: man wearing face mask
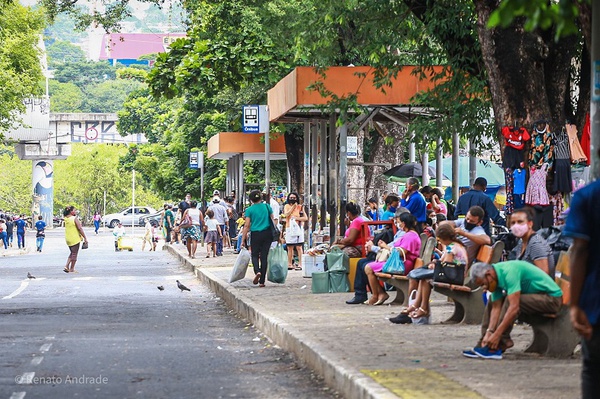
(391,204)
(414,201)
(471,233)
(531,247)
(477,196)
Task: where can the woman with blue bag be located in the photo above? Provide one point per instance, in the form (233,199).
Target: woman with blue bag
(410,243)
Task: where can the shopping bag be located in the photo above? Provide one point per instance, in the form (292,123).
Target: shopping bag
(241,265)
(338,282)
(277,265)
(293,230)
(395,263)
(320,283)
(336,260)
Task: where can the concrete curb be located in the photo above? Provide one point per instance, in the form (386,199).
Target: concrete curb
(350,384)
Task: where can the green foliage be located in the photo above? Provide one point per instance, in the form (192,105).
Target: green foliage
(20,70)
(65,97)
(108,96)
(61,52)
(539,14)
(132,74)
(63,28)
(84,73)
(15,175)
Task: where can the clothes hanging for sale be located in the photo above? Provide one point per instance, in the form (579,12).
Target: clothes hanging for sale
(520,176)
(586,138)
(577,154)
(542,145)
(563,181)
(509,181)
(514,141)
(536,187)
(558,206)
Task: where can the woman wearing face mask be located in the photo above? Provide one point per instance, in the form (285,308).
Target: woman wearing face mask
(531,246)
(293,211)
(410,242)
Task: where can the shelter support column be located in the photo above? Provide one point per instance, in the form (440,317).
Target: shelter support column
(455,177)
(333,178)
(43,191)
(314,174)
(425,164)
(472,163)
(240,194)
(439,169)
(343,170)
(323,173)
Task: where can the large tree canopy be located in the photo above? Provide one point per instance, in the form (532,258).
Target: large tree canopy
(20,67)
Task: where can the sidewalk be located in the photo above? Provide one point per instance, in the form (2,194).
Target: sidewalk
(361,354)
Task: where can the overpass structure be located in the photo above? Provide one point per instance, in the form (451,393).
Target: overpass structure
(44,137)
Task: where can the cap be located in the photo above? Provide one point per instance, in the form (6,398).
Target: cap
(216,192)
(216,200)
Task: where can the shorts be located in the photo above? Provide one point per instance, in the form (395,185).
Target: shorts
(74,251)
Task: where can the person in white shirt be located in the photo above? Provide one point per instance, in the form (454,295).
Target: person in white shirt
(220,212)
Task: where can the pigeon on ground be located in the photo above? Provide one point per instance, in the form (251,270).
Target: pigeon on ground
(30,276)
(161,288)
(182,287)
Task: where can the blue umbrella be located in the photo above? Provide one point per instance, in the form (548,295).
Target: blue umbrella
(492,172)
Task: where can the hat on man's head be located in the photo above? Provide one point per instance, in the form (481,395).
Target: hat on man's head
(216,192)
(216,200)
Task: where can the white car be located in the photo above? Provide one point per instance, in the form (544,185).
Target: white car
(127,217)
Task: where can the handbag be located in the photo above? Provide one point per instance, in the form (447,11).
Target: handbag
(84,245)
(274,230)
(395,263)
(186,223)
(382,255)
(422,273)
(449,272)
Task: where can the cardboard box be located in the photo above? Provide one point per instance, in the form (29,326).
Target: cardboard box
(311,264)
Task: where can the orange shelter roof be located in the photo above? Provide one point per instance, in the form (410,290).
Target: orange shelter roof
(225,145)
(291,94)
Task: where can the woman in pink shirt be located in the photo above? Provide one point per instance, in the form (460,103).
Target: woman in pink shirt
(353,240)
(410,242)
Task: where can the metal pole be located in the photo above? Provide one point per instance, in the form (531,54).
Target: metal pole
(595,91)
(306,174)
(133,221)
(455,187)
(314,174)
(472,163)
(323,173)
(333,179)
(202,185)
(343,169)
(267,165)
(425,164)
(439,167)
(104,212)
(411,148)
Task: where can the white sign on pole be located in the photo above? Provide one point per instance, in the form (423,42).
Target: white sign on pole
(352,146)
(255,119)
(193,160)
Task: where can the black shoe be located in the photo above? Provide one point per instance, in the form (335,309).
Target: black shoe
(356,300)
(401,319)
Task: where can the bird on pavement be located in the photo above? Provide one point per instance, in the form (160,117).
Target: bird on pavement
(182,287)
(30,276)
(161,288)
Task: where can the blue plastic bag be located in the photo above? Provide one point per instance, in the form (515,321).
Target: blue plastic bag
(394,264)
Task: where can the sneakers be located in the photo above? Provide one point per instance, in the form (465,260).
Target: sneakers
(486,353)
(470,353)
(357,300)
(401,319)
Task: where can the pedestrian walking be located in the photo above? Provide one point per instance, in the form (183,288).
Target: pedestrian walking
(167,221)
(73,235)
(191,228)
(21,225)
(149,235)
(40,234)
(10,224)
(582,225)
(213,231)
(259,226)
(220,211)
(97,217)
(3,233)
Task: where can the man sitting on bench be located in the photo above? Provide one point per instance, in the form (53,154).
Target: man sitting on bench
(528,290)
(470,231)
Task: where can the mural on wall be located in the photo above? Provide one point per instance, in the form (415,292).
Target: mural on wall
(43,191)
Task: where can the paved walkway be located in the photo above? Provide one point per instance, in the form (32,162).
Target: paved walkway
(361,354)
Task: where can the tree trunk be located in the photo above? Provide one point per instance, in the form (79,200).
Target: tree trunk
(529,73)
(381,152)
(294,144)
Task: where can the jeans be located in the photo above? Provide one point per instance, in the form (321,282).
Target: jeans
(261,243)
(21,239)
(96,226)
(39,243)
(360,279)
(220,240)
(4,240)
(167,234)
(590,383)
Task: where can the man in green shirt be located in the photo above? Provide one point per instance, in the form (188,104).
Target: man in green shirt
(516,287)
(168,221)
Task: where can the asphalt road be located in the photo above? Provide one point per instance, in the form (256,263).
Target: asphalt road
(108,332)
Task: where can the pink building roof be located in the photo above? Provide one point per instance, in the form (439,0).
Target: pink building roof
(129,46)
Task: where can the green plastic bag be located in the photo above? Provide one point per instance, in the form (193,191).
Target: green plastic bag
(277,265)
(338,282)
(337,261)
(320,283)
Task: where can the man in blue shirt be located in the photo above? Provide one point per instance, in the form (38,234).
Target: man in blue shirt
(21,225)
(582,225)
(477,196)
(414,201)
(40,226)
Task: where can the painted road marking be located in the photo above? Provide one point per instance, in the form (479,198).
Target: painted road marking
(82,278)
(18,395)
(25,378)
(127,278)
(420,384)
(50,337)
(16,292)
(45,348)
(37,360)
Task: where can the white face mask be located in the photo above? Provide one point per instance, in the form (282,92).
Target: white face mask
(433,220)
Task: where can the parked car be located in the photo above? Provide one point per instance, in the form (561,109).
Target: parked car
(155,217)
(128,217)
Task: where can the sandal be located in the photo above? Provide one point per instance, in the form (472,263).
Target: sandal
(66,270)
(420,312)
(408,310)
(298,268)
(382,301)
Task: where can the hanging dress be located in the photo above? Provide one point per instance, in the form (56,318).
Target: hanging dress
(536,188)
(514,144)
(577,154)
(586,138)
(563,182)
(542,147)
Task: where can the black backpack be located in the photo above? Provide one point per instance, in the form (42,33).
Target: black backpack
(451,210)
